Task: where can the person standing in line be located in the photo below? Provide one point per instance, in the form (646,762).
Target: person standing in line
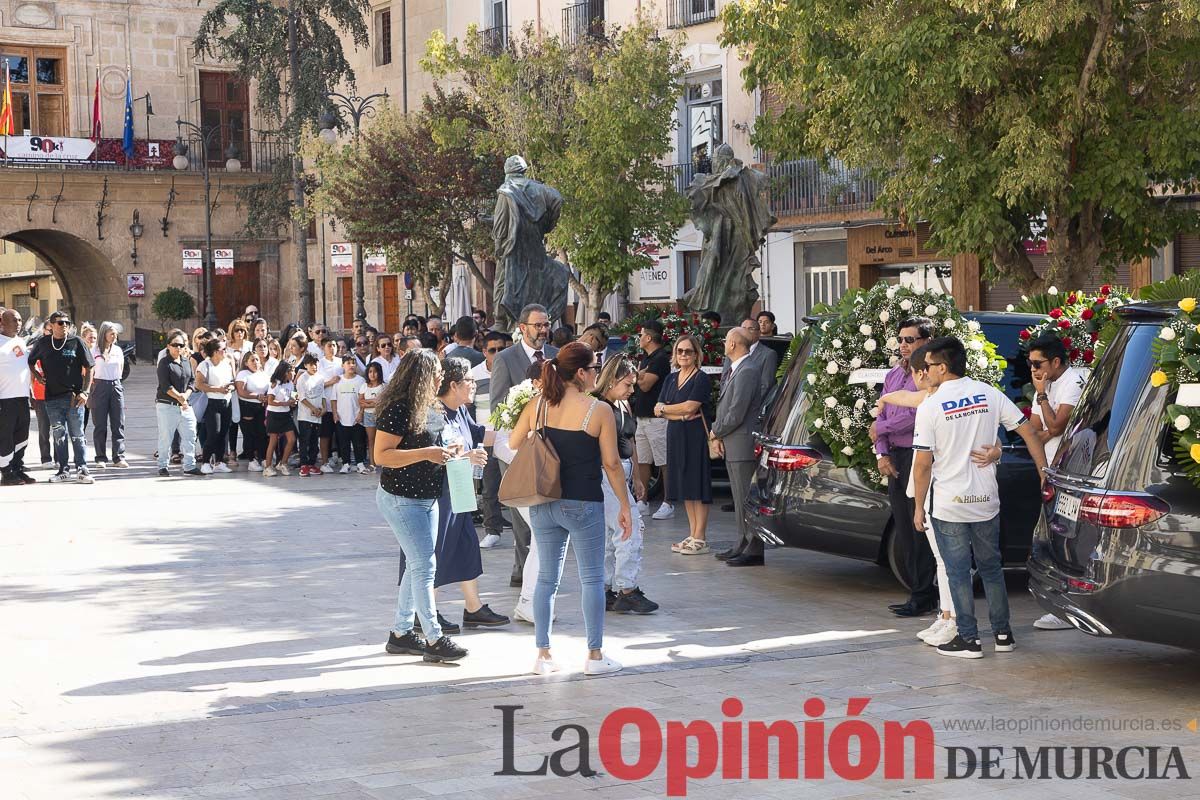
(329,365)
(961,416)
(281,402)
(108,397)
(310,408)
(66,365)
(684,403)
(172,408)
(14,401)
(214,377)
(523,611)
(236,347)
(651,430)
(508,370)
(584,434)
(368,400)
(386,357)
(87,332)
(410,451)
(348,417)
(892,435)
(274,355)
(362,354)
(734,427)
(37,390)
(480,409)
(463,344)
(260,330)
(766,358)
(766,324)
(199,400)
(252,384)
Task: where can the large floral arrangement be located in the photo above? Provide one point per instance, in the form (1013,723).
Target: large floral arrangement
(1084,322)
(1178,364)
(505,414)
(861,335)
(676,324)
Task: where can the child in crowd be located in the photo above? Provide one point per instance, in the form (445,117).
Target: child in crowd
(347,416)
(280,402)
(368,401)
(310,392)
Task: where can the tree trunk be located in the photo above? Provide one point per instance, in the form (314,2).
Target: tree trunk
(1013,264)
(299,234)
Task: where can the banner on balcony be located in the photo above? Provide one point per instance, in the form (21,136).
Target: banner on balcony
(47,148)
(193,261)
(222,261)
(375,262)
(341,256)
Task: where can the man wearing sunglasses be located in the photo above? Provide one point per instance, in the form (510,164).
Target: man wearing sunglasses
(892,433)
(494,343)
(66,363)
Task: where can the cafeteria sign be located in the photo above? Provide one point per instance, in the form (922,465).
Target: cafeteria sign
(341,257)
(222,261)
(193,262)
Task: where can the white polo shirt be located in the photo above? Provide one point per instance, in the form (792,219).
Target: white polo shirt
(1064,391)
(108,368)
(14,367)
(961,416)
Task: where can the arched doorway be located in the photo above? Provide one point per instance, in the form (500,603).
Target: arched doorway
(90,285)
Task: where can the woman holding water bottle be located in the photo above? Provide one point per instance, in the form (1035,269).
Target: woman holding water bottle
(458,556)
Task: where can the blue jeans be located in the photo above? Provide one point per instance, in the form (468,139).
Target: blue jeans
(956,541)
(174,420)
(66,419)
(414,521)
(553,525)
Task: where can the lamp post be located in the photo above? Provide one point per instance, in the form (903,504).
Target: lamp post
(357,107)
(180,162)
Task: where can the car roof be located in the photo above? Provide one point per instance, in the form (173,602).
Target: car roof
(1156,311)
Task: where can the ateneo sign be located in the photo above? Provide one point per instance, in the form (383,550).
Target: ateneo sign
(46,148)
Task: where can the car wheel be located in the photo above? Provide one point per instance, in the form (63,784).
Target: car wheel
(897,558)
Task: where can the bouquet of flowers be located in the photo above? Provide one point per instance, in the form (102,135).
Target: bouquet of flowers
(504,415)
(1177,354)
(1080,320)
(677,324)
(860,335)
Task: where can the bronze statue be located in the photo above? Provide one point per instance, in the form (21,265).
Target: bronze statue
(526,211)
(731,209)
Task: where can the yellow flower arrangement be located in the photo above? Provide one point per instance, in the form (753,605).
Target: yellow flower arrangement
(1158,378)
(1187,305)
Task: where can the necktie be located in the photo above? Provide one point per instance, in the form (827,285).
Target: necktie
(538,356)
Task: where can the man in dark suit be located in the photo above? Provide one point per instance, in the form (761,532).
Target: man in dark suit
(737,417)
(767,362)
(508,370)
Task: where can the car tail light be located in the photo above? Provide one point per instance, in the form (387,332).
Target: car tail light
(1081,585)
(1048,493)
(791,459)
(757,451)
(1121,510)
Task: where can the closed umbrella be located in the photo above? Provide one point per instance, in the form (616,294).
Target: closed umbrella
(458,303)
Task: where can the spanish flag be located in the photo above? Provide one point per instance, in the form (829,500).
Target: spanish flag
(6,112)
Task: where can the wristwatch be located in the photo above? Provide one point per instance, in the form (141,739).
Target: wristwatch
(1042,397)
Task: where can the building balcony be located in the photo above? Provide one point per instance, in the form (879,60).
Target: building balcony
(148,155)
(808,188)
(494,39)
(583,21)
(684,173)
(685,13)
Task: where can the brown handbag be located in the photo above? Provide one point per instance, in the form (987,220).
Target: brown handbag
(533,476)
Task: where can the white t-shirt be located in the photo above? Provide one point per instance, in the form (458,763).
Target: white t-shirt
(1064,391)
(14,367)
(961,416)
(255,383)
(371,393)
(312,389)
(483,403)
(347,399)
(330,368)
(389,368)
(216,375)
(315,349)
(282,393)
(108,368)
(272,363)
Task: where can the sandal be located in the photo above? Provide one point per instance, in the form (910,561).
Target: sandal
(693,547)
(678,546)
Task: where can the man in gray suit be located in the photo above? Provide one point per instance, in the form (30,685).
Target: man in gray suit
(737,415)
(508,370)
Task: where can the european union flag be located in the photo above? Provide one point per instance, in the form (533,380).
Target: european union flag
(127,141)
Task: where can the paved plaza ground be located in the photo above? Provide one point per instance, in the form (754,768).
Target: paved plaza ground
(223,638)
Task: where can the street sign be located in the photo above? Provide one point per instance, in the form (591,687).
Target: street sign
(222,261)
(408,294)
(193,262)
(408,280)
(135,284)
(341,258)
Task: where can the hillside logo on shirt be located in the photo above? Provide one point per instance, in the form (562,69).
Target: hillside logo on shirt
(965,407)
(973,498)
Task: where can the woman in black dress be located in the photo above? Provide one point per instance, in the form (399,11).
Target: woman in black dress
(684,402)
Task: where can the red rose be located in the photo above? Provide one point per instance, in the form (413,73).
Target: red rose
(1064,324)
(1027,411)
(1025,335)
(1087,313)
(1095,336)
(1105,289)
(1099,301)
(1055,313)
(625,337)
(1088,355)
(1072,299)
(1075,355)
(1067,342)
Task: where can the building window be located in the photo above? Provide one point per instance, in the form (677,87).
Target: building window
(39,88)
(682,13)
(704,128)
(383,37)
(823,273)
(225,104)
(691,269)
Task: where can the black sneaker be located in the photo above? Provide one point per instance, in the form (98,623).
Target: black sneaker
(11,480)
(610,597)
(26,478)
(162,473)
(1005,642)
(484,618)
(409,644)
(961,648)
(444,650)
(195,472)
(447,626)
(634,603)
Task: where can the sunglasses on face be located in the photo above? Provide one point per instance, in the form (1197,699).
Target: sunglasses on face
(685,351)
(493,349)
(1036,364)
(63,322)
(175,344)
(385,345)
(360,344)
(910,339)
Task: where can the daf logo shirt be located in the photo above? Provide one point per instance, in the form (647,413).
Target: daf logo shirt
(961,416)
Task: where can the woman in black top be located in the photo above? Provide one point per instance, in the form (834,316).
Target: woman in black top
(583,433)
(685,403)
(409,448)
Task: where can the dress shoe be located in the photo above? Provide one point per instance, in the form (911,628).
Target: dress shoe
(910,610)
(894,606)
(746,560)
(725,555)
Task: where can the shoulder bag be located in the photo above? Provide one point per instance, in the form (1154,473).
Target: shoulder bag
(533,476)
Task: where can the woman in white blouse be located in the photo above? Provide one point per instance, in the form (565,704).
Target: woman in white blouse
(107,399)
(252,385)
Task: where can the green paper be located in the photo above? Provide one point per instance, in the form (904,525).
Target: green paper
(459,475)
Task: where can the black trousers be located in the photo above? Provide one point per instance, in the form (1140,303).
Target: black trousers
(493,519)
(254,430)
(216,430)
(922,569)
(310,435)
(352,444)
(521,536)
(14,434)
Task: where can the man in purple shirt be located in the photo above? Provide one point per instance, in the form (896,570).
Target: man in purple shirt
(892,433)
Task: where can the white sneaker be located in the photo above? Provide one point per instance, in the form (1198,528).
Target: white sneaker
(600,666)
(255,466)
(362,469)
(665,511)
(221,466)
(345,470)
(283,470)
(523,613)
(545,666)
(643,507)
(490,540)
(943,635)
(207,469)
(83,476)
(326,468)
(1050,622)
(269,472)
(932,629)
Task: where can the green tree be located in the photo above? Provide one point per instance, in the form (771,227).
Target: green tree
(293,52)
(594,120)
(417,186)
(171,305)
(990,118)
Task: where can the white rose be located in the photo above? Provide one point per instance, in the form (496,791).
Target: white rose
(818,423)
(892,343)
(1052,291)
(859,403)
(865,330)
(837,344)
(975,344)
(855,362)
(1010,307)
(1167,333)
(891,292)
(848,450)
(935,291)
(812,379)
(931,310)
(831,402)
(884,316)
(972,326)
(832,368)
(894,360)
(906,304)
(1182,422)
(846,423)
(869,345)
(824,326)
(981,362)
(950,324)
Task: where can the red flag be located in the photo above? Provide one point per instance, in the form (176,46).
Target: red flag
(6,111)
(96,110)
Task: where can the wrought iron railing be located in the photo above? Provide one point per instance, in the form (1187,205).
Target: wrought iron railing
(684,173)
(583,20)
(807,187)
(494,39)
(156,155)
(684,13)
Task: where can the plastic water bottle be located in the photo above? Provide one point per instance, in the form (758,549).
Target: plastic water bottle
(478,470)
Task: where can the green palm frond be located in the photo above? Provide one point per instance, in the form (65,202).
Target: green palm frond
(1039,304)
(1176,287)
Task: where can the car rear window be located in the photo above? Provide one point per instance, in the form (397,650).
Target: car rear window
(1110,400)
(1006,337)
(787,414)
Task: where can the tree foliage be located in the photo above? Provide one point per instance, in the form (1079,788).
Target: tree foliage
(417,186)
(594,120)
(990,118)
(171,305)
